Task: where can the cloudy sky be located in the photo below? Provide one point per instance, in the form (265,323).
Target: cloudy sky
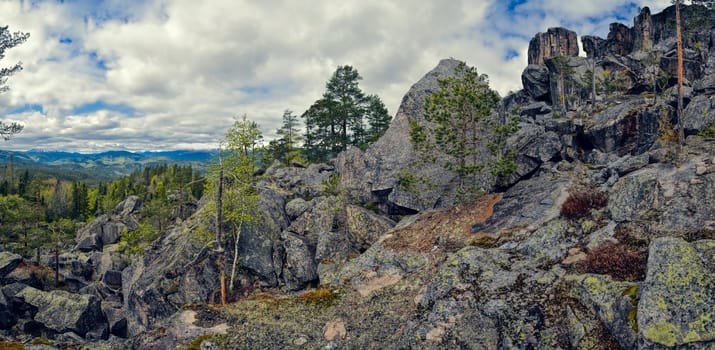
(172,74)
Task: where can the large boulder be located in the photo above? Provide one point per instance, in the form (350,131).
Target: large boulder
(632,195)
(8,262)
(699,114)
(535,79)
(299,267)
(380,169)
(613,302)
(364,227)
(677,304)
(555,42)
(63,312)
(105,230)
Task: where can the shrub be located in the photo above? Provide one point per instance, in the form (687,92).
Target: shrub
(617,261)
(580,202)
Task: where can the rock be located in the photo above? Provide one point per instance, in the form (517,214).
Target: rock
(699,114)
(627,128)
(533,146)
(535,79)
(549,244)
(620,39)
(301,182)
(537,108)
(335,330)
(8,262)
(297,207)
(643,30)
(63,312)
(156,286)
(117,321)
(613,302)
(528,203)
(555,42)
(7,317)
(299,268)
(102,231)
(677,305)
(364,227)
(112,279)
(628,164)
(602,236)
(632,195)
(128,206)
(379,168)
(594,46)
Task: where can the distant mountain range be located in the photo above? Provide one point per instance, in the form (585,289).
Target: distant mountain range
(99,166)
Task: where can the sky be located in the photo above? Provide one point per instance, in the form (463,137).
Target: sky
(174,74)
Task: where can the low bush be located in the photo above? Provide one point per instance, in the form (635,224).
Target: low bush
(581,200)
(617,261)
(320,296)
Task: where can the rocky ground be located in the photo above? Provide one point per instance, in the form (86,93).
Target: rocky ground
(603,238)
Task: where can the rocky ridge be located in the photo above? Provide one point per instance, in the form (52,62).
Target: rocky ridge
(402,265)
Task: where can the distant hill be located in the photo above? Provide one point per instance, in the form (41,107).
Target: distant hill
(95,167)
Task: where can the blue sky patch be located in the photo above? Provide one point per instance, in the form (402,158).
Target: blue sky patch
(255,90)
(511,54)
(65,40)
(98,62)
(26,108)
(101,105)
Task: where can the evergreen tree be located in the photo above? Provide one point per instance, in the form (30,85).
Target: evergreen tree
(343,116)
(9,40)
(285,147)
(459,115)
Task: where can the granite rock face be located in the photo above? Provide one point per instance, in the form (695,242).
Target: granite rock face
(554,42)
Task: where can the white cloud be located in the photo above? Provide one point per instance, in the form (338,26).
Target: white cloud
(185,68)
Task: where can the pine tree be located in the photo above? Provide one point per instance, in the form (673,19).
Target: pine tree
(9,40)
(343,116)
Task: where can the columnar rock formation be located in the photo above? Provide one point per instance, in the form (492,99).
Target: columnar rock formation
(555,42)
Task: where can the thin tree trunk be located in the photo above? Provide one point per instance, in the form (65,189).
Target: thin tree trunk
(237,235)
(679,41)
(219,229)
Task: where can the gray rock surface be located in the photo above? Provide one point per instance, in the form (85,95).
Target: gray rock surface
(632,195)
(64,312)
(614,302)
(677,305)
(627,128)
(535,80)
(8,262)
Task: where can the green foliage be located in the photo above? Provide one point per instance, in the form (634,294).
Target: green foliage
(134,242)
(504,165)
(708,132)
(331,185)
(343,116)
(9,40)
(231,183)
(285,148)
(459,113)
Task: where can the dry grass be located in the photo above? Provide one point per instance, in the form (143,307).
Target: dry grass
(450,228)
(581,200)
(616,260)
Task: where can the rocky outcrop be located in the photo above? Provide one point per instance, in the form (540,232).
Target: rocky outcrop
(63,312)
(626,128)
(156,286)
(106,229)
(555,42)
(620,39)
(677,306)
